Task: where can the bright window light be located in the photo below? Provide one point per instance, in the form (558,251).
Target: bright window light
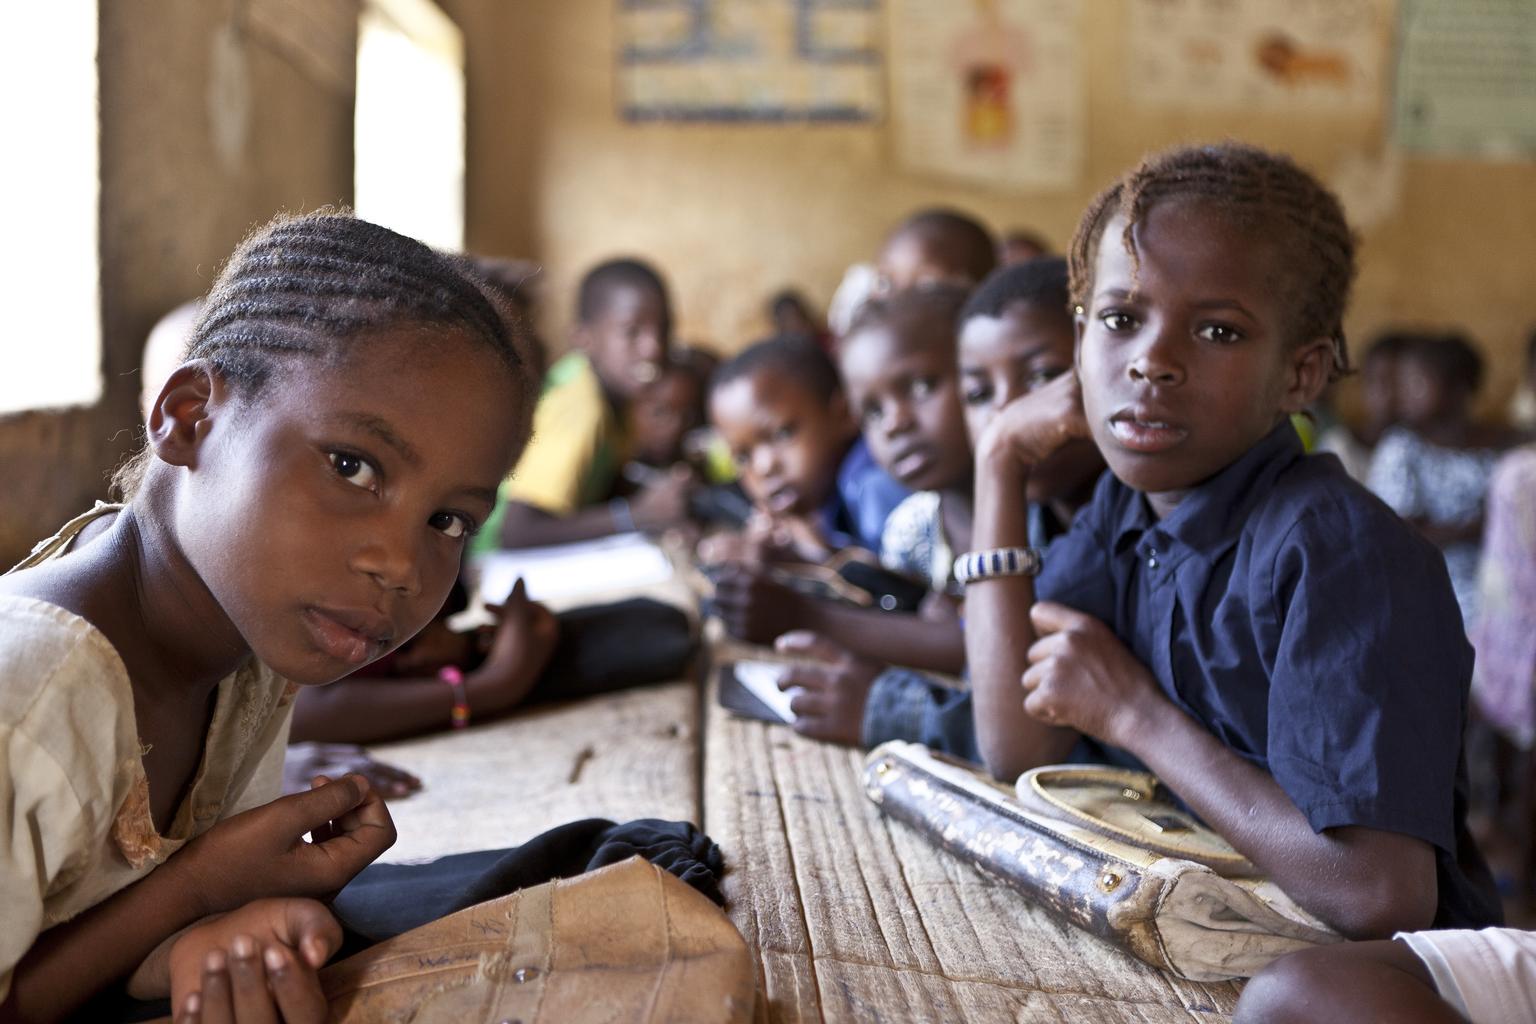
(409,134)
(50,336)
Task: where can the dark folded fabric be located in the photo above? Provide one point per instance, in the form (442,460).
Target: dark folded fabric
(385,900)
(608,647)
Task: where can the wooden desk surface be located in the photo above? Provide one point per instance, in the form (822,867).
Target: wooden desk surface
(853,917)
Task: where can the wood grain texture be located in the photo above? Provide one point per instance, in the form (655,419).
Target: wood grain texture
(858,918)
(625,755)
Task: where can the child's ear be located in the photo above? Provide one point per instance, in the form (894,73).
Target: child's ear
(1079,325)
(179,419)
(581,337)
(1309,368)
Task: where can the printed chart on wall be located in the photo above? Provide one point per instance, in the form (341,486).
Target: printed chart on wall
(1466,78)
(988,91)
(763,60)
(1308,56)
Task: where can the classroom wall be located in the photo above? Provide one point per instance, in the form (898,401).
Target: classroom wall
(174,204)
(733,212)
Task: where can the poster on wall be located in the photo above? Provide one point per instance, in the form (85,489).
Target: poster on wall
(1303,56)
(988,92)
(1466,78)
(749,60)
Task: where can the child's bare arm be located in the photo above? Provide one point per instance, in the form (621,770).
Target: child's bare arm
(1358,981)
(1367,883)
(255,854)
(656,507)
(998,633)
(72,962)
(370,710)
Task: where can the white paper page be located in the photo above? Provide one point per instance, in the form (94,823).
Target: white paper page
(762,678)
(609,563)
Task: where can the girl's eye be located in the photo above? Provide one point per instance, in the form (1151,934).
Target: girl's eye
(783,433)
(1117,321)
(355,470)
(455,525)
(871,414)
(1221,334)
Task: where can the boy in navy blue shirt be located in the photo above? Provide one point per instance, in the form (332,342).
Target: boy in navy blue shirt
(1245,620)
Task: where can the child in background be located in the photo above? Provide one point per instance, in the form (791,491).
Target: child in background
(898,369)
(162,351)
(1378,395)
(662,416)
(562,489)
(1020,246)
(1015,336)
(937,245)
(301,508)
(1245,620)
(780,408)
(791,314)
(1433,468)
(1504,676)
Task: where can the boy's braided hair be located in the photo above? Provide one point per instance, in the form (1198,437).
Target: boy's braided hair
(308,285)
(1267,193)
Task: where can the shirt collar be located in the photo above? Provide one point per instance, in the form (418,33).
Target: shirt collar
(1211,515)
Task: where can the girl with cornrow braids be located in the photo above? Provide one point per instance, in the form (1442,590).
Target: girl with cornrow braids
(1242,619)
(348,404)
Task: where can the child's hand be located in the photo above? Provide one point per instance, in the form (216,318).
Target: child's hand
(795,538)
(254,965)
(304,761)
(262,852)
(753,607)
(1031,428)
(836,688)
(665,502)
(521,645)
(1080,675)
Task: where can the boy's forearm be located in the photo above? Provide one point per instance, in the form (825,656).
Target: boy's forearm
(998,633)
(527,527)
(72,962)
(892,637)
(1364,882)
(371,710)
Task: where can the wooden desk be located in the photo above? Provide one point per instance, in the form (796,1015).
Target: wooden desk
(853,917)
(859,918)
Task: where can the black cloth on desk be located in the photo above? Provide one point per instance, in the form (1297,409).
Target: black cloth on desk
(607,647)
(386,900)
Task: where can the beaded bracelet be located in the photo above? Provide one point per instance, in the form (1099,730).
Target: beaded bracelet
(455,680)
(995,562)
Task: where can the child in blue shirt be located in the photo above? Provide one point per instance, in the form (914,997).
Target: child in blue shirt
(779,407)
(1247,621)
